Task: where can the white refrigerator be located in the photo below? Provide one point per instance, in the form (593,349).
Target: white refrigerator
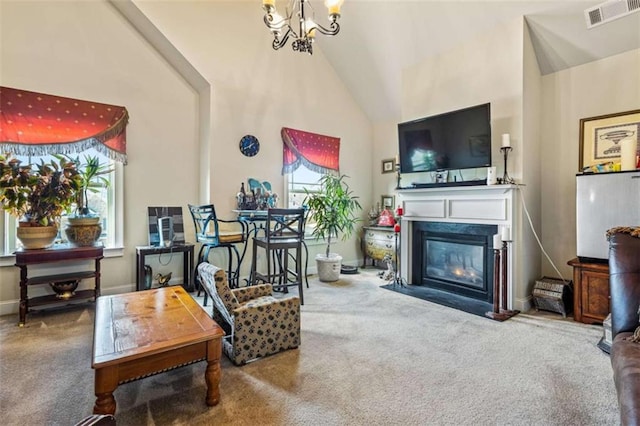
(603,201)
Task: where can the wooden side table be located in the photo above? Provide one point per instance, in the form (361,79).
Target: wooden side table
(591,294)
(58,254)
(187,262)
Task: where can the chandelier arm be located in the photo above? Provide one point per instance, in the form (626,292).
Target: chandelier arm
(333,29)
(302,40)
(269,22)
(280,42)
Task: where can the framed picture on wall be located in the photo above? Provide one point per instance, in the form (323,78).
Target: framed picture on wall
(600,137)
(388,166)
(387,202)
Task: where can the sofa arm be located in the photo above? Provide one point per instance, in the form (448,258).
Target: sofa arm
(244,294)
(270,315)
(624,279)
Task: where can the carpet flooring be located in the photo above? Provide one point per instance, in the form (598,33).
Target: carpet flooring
(368,356)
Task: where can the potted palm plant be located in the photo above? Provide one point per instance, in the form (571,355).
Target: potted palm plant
(37,195)
(84,228)
(332,208)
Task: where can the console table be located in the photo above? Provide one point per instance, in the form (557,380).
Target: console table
(58,254)
(187,262)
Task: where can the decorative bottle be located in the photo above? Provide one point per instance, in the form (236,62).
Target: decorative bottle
(241,197)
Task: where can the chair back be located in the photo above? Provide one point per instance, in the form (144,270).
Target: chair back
(205,222)
(215,281)
(285,224)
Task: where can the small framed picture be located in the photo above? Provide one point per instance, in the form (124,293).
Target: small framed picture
(388,202)
(388,166)
(601,137)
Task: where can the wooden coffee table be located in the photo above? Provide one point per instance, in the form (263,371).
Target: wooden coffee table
(147,332)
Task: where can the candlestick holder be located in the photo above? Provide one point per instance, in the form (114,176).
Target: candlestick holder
(397,176)
(506,179)
(500,278)
(397,279)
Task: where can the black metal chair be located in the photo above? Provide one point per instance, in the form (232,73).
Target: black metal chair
(210,236)
(284,233)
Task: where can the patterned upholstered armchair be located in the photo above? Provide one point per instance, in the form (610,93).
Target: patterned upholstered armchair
(257,324)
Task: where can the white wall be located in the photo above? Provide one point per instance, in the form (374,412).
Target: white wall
(601,87)
(542,115)
(489,68)
(257,91)
(87,50)
(531,124)
(385,146)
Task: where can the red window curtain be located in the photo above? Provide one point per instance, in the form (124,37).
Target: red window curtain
(38,124)
(319,153)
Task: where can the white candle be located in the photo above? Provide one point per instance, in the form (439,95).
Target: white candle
(497,242)
(506,141)
(628,150)
(397,159)
(506,234)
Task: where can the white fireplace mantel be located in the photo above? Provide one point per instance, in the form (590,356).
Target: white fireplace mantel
(482,204)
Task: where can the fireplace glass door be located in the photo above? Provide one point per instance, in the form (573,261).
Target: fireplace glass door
(455,258)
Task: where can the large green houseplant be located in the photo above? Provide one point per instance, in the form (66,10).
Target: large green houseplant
(84,227)
(333,209)
(37,195)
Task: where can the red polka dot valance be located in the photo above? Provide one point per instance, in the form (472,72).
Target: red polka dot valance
(37,124)
(319,153)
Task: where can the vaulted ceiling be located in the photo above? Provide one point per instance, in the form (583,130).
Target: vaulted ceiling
(380,38)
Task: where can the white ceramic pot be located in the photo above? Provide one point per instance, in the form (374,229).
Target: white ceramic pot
(36,237)
(329,267)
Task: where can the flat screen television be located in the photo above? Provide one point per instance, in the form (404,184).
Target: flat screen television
(454,140)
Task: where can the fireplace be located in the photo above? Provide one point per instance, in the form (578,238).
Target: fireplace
(453,263)
(468,217)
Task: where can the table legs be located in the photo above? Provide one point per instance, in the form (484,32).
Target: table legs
(212,373)
(106,382)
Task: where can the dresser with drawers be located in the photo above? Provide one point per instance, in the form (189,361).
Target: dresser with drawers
(378,241)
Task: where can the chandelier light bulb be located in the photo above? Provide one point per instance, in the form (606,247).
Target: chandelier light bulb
(333,6)
(271,3)
(310,28)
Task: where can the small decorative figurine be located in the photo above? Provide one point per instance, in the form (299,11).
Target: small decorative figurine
(386,218)
(163,280)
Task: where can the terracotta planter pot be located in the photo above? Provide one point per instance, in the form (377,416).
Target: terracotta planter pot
(36,237)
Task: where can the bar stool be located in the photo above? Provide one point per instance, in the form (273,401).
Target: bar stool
(284,232)
(209,235)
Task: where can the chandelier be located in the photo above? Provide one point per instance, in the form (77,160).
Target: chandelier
(304,31)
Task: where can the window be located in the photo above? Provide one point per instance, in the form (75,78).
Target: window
(295,184)
(297,181)
(107,203)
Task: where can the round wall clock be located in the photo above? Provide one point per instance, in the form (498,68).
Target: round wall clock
(249,145)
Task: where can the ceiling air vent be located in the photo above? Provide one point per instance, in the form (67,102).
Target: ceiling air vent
(607,12)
